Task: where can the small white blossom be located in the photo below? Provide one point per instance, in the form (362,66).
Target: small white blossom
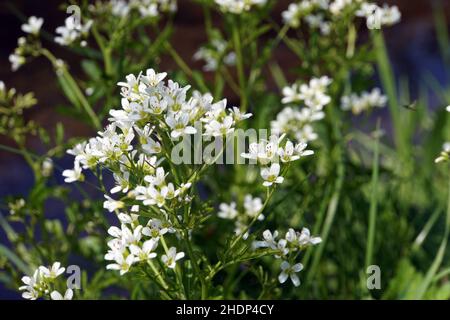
(227,211)
(68,295)
(238,6)
(112,205)
(53,272)
(33,26)
(122,264)
(145,252)
(288,271)
(172,257)
(73,175)
(271,175)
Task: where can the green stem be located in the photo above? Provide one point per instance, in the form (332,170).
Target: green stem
(431,273)
(183,66)
(204,287)
(374,200)
(75,89)
(240,66)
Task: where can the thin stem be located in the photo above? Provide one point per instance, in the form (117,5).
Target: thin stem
(183,66)
(75,88)
(374,199)
(240,66)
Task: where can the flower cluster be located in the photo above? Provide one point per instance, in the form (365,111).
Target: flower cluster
(377,16)
(252,209)
(43,282)
(135,146)
(16,206)
(151,113)
(321,14)
(25,45)
(295,122)
(133,243)
(239,6)
(363,102)
(215,54)
(146,8)
(72,31)
(270,153)
(305,10)
(287,249)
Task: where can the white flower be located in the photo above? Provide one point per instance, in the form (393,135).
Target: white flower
(227,211)
(155,229)
(305,238)
(391,15)
(16,61)
(145,252)
(269,240)
(297,123)
(122,182)
(112,205)
(218,129)
(239,116)
(282,248)
(152,78)
(287,154)
(54,271)
(128,218)
(238,6)
(447,108)
(172,257)
(47,167)
(271,175)
(122,264)
(291,94)
(71,31)
(265,151)
(288,271)
(253,206)
(314,94)
(364,102)
(68,295)
(120,8)
(157,179)
(30,294)
(31,283)
(291,16)
(33,26)
(215,54)
(179,125)
(73,175)
(126,235)
(149,11)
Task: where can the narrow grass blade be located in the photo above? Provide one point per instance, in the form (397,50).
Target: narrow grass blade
(373,200)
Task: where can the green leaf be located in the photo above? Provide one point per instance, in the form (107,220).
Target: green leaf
(14,259)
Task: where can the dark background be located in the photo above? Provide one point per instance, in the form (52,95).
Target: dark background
(412,46)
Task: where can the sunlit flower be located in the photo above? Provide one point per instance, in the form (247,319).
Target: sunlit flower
(73,175)
(54,271)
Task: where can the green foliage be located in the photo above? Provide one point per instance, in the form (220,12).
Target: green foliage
(373,198)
